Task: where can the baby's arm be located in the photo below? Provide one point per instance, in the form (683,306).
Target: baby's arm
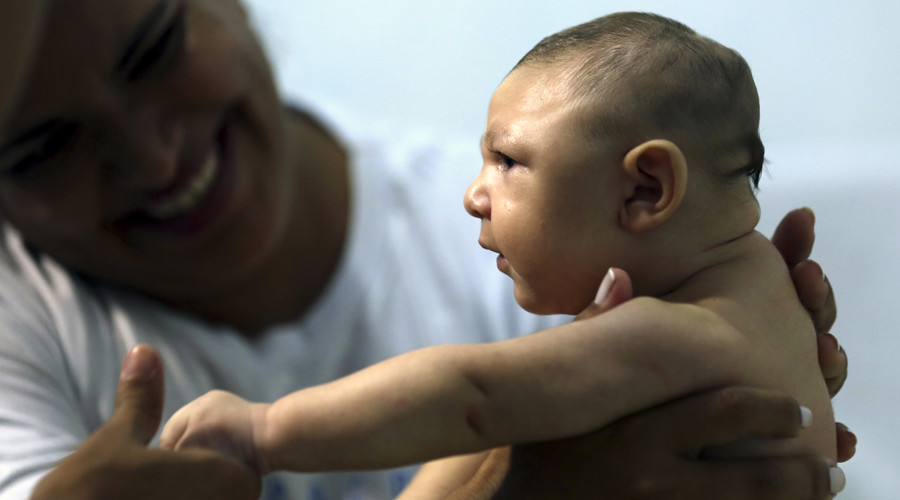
(448,400)
(584,375)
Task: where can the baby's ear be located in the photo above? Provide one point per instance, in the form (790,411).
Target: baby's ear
(657,176)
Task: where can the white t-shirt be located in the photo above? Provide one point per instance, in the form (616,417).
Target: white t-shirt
(412,275)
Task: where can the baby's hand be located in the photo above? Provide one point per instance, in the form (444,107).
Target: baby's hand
(218,421)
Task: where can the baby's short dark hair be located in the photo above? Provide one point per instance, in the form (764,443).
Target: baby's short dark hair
(641,75)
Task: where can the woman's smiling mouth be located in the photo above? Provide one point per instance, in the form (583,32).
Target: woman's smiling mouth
(191,193)
(197,201)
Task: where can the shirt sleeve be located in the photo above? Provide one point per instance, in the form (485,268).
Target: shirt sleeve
(40,418)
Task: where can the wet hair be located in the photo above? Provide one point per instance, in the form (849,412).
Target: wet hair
(643,75)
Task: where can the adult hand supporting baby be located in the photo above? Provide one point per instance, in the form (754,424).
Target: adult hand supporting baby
(654,454)
(794,238)
(115,461)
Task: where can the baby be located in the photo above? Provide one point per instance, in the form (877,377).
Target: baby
(628,142)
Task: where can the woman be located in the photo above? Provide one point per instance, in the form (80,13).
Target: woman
(155,190)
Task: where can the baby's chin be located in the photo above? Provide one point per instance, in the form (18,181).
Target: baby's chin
(546,307)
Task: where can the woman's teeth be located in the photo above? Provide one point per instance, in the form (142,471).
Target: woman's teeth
(189,197)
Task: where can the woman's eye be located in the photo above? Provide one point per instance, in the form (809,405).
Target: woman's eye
(55,142)
(163,50)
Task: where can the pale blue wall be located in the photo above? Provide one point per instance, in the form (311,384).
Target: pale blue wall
(826,69)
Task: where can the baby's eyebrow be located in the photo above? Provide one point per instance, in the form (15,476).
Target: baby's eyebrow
(492,136)
(484,143)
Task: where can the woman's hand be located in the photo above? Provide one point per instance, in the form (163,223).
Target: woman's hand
(115,462)
(653,454)
(794,238)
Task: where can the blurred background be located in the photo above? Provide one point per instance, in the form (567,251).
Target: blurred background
(827,74)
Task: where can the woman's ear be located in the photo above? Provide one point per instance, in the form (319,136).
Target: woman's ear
(657,175)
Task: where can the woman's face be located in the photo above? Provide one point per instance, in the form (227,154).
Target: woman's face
(147,148)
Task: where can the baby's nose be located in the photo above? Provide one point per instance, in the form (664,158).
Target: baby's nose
(477,201)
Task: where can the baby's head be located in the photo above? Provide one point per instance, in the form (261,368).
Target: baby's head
(627,141)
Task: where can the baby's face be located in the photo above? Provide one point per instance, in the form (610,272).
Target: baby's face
(546,197)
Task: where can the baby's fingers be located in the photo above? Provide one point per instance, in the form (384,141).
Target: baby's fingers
(173,432)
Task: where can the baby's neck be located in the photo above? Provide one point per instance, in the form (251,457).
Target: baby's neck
(695,239)
(703,274)
(675,257)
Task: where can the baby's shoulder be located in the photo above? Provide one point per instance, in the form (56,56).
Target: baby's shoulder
(760,273)
(753,290)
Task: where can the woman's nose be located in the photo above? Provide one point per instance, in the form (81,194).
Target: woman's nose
(147,151)
(477,200)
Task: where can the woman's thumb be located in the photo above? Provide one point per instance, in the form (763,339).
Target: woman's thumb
(140,397)
(614,290)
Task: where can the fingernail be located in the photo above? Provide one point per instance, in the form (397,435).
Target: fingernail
(605,286)
(811,213)
(805,417)
(136,366)
(830,339)
(852,435)
(837,479)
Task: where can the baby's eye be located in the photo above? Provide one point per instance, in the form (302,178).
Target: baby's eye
(506,162)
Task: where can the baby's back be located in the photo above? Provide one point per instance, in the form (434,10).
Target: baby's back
(754,293)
